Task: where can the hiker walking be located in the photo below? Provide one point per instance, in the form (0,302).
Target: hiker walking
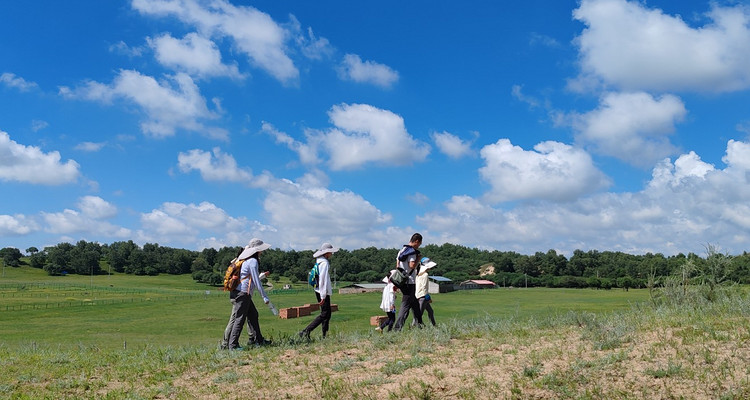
(324,290)
(388,304)
(407,260)
(230,323)
(422,295)
(249,283)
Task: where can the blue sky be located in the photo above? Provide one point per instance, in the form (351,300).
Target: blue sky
(519,126)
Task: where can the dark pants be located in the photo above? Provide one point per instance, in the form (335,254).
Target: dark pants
(245,311)
(408,302)
(424,305)
(389,322)
(322,319)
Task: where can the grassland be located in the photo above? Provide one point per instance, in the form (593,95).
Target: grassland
(134,337)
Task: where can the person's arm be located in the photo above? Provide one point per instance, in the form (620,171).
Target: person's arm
(256,278)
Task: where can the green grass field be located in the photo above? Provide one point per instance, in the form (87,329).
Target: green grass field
(131,337)
(117,310)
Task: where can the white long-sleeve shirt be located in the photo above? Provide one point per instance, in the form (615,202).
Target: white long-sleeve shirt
(324,278)
(250,269)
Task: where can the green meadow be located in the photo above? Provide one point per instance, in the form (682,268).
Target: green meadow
(111,311)
(156,337)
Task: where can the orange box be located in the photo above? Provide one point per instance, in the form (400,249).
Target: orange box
(377,320)
(313,307)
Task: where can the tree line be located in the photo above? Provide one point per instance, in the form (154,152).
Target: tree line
(592,269)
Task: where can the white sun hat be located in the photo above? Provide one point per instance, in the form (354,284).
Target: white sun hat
(325,248)
(253,247)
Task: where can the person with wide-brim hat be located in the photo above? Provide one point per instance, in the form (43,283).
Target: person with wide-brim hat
(323,289)
(242,296)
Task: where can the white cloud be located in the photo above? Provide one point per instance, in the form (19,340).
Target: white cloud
(253,32)
(37,125)
(633,47)
(687,203)
(365,134)
(354,69)
(123,48)
(193,54)
(418,198)
(13,81)
(553,171)
(17,225)
(632,127)
(96,207)
(214,166)
(29,164)
(90,146)
(91,219)
(171,104)
(308,153)
(189,223)
(451,145)
(312,47)
(309,215)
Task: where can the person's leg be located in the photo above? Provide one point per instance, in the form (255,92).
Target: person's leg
(230,324)
(252,318)
(243,301)
(417,311)
(407,294)
(325,313)
(427,307)
(390,321)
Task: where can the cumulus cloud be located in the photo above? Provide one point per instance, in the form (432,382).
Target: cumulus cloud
(686,204)
(214,166)
(354,69)
(29,164)
(253,32)
(363,134)
(17,225)
(96,207)
(11,80)
(632,127)
(171,104)
(310,215)
(204,224)
(451,145)
(553,171)
(632,47)
(90,219)
(193,54)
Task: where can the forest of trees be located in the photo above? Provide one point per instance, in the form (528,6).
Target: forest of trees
(592,269)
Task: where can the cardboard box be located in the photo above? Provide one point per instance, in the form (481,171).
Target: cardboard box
(377,320)
(313,307)
(334,307)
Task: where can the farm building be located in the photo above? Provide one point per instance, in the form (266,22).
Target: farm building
(439,284)
(477,284)
(362,288)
